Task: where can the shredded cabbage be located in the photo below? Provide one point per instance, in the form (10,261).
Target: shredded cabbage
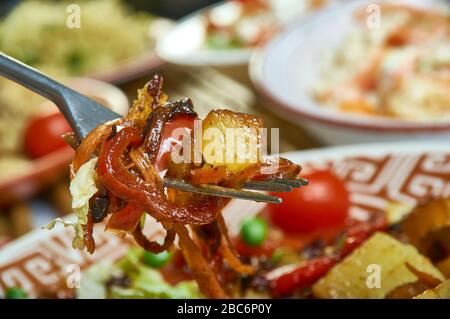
(150,284)
(145,282)
(82,188)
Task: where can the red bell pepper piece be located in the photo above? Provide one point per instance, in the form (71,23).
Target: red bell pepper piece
(302,276)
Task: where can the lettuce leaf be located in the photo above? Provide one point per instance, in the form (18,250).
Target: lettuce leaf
(145,282)
(149,283)
(82,188)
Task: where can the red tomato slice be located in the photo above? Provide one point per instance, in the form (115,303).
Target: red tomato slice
(169,141)
(43,134)
(323,204)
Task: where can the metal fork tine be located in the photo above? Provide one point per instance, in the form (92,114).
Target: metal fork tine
(304,181)
(272,186)
(220,191)
(82,113)
(292,182)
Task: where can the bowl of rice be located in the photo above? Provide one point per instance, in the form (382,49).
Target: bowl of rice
(113,44)
(363,72)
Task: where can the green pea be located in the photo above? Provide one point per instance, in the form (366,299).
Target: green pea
(277,256)
(254,231)
(15,293)
(157,260)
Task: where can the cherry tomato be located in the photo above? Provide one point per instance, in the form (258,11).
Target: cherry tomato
(169,141)
(324,203)
(43,134)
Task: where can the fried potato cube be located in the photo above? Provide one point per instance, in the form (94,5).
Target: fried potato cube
(442,291)
(428,227)
(352,277)
(232,139)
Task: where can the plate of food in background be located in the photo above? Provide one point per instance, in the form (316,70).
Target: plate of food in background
(113,44)
(227,32)
(384,204)
(33,158)
(362,72)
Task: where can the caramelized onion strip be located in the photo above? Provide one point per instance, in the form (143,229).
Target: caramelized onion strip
(90,144)
(153,246)
(228,252)
(201,271)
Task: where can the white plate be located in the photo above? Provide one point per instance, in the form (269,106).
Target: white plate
(286,68)
(184,44)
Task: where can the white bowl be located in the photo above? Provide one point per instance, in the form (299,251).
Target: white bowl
(184,44)
(285,68)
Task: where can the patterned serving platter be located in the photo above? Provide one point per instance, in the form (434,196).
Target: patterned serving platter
(375,174)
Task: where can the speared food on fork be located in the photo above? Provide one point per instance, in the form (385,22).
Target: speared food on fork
(126,169)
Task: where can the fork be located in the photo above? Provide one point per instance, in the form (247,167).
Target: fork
(84,114)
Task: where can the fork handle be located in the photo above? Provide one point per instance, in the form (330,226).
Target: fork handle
(32,79)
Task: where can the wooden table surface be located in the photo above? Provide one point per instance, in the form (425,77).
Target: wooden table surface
(230,87)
